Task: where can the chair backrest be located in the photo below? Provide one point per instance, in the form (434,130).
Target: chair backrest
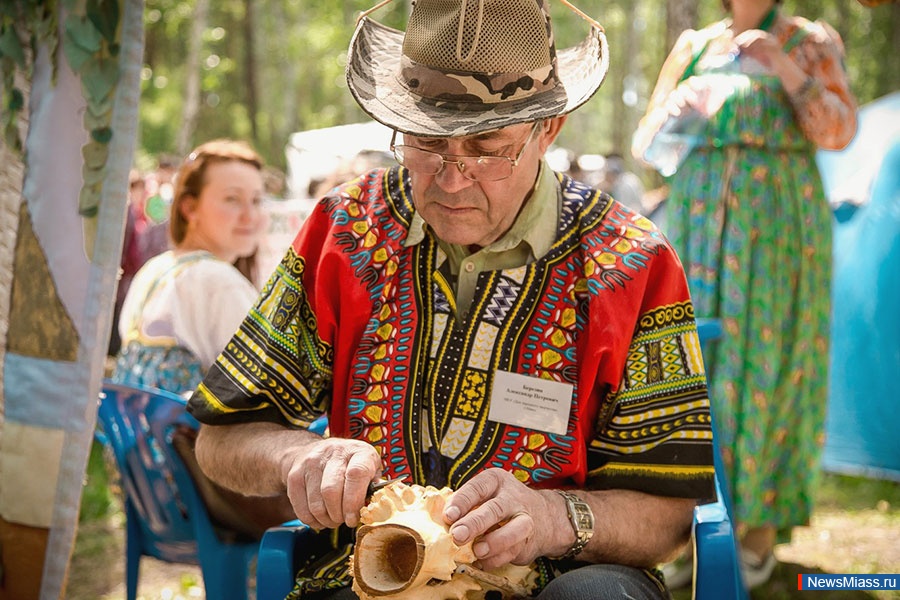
(716,559)
(138,425)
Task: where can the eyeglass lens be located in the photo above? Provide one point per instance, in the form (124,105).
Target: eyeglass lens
(475,168)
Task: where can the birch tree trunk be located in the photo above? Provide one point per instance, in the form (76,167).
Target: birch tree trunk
(623,120)
(192,69)
(250,78)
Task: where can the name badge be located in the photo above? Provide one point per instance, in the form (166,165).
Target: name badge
(530,402)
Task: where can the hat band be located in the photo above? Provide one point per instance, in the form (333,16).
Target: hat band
(474,90)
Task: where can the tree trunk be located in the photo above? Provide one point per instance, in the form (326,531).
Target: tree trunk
(680,15)
(284,111)
(892,73)
(192,68)
(623,120)
(250,68)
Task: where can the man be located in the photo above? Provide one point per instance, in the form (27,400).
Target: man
(476,321)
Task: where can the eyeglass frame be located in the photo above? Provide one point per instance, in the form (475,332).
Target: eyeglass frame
(514,162)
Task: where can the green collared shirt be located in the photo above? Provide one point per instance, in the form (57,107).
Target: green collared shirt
(529,238)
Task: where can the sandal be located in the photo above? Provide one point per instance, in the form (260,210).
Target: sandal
(756,569)
(680,572)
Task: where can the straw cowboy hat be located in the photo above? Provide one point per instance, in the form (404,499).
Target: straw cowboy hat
(467,66)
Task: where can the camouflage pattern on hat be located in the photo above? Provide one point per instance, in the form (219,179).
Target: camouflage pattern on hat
(473,90)
(475,81)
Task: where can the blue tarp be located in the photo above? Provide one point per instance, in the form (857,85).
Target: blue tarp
(863,423)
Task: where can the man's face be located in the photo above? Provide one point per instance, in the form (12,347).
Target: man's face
(477,213)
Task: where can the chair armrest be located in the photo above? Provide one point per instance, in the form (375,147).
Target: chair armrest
(717,572)
(275,568)
(709,329)
(100,436)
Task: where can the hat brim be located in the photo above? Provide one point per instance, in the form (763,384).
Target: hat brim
(373,66)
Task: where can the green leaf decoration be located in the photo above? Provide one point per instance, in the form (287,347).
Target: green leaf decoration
(100,106)
(10,126)
(94,122)
(104,14)
(10,45)
(75,54)
(83,33)
(89,200)
(46,27)
(16,100)
(95,155)
(93,178)
(99,77)
(102,135)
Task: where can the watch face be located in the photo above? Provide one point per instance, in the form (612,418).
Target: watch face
(585,522)
(584,519)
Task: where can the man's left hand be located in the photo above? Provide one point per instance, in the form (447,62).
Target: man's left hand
(499,514)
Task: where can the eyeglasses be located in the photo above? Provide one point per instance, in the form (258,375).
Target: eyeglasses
(474,168)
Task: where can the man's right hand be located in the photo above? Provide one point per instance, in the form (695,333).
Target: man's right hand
(327,482)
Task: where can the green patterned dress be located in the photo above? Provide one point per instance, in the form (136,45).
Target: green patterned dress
(749,219)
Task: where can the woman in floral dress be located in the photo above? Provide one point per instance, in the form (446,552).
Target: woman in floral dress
(750,98)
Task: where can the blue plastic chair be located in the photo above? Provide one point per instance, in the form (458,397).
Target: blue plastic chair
(717,569)
(717,574)
(165,516)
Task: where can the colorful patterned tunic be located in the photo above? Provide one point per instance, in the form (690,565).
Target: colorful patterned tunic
(747,214)
(358,324)
(180,310)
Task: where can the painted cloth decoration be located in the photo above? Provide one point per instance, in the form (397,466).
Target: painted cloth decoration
(359,324)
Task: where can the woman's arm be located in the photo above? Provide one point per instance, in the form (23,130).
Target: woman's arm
(813,76)
(669,77)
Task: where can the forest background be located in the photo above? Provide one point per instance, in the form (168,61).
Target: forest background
(261,70)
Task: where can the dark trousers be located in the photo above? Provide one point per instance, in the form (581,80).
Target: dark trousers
(592,582)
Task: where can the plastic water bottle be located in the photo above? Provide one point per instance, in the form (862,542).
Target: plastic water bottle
(676,139)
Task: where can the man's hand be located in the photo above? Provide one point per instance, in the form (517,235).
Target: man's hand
(501,515)
(328,481)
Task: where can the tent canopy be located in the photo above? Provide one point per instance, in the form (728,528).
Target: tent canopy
(323,155)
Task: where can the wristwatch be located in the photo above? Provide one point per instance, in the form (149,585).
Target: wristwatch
(582,518)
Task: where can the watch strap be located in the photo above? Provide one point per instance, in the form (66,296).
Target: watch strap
(582,518)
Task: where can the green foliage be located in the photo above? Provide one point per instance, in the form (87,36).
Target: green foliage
(858,493)
(98,497)
(300,53)
(22,24)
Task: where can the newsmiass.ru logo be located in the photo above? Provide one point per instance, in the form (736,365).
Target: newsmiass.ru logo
(848,582)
